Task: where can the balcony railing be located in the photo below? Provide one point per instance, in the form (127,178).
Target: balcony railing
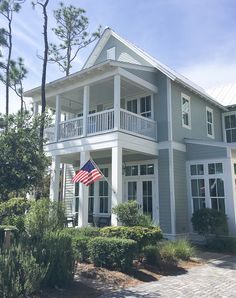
(100,122)
(72,128)
(137,124)
(103,122)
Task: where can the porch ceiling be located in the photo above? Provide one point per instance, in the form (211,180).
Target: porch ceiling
(100,93)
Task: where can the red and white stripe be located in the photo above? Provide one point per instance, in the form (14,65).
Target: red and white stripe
(87,178)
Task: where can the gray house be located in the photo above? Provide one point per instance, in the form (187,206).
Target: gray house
(156,136)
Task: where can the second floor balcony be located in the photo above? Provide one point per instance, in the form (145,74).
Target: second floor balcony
(102,122)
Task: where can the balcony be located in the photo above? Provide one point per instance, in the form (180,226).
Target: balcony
(102,122)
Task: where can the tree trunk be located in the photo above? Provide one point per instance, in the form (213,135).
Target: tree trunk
(44,72)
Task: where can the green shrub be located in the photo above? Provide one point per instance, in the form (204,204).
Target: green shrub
(143,236)
(222,244)
(12,212)
(183,250)
(209,221)
(84,231)
(130,214)
(112,252)
(168,253)
(20,275)
(57,254)
(44,216)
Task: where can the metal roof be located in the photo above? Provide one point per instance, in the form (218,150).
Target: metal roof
(225,94)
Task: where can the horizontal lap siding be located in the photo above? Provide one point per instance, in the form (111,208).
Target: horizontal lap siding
(69,189)
(164,191)
(181,199)
(201,152)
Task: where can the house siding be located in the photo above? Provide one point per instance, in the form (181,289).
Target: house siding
(69,189)
(122,53)
(164,191)
(160,100)
(198,152)
(181,199)
(198,116)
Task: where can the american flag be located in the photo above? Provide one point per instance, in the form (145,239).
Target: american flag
(88,174)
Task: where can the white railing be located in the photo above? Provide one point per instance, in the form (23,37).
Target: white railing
(71,128)
(138,124)
(49,134)
(101,121)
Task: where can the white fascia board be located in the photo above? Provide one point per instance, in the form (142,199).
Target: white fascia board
(98,48)
(137,80)
(132,66)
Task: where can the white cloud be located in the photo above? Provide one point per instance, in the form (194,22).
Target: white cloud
(212,74)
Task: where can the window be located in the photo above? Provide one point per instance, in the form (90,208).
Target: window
(197,169)
(198,194)
(230,128)
(147,197)
(186,111)
(145,106)
(217,194)
(131,171)
(132,106)
(209,122)
(215,168)
(103,196)
(132,190)
(147,169)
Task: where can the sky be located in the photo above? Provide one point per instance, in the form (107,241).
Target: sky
(196,38)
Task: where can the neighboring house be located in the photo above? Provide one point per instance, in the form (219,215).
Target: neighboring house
(159,138)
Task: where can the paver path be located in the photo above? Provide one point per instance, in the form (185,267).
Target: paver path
(216,279)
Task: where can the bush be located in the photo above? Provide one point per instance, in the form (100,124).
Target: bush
(20,275)
(168,253)
(84,231)
(129,214)
(143,236)
(12,212)
(44,216)
(209,221)
(56,252)
(112,252)
(222,244)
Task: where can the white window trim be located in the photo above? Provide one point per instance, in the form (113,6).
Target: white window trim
(223,124)
(213,129)
(190,120)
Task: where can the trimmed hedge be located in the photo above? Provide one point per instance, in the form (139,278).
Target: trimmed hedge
(80,248)
(112,252)
(85,231)
(143,236)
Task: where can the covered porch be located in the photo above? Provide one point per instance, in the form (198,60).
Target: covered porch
(129,175)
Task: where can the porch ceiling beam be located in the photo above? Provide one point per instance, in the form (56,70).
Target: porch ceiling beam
(137,80)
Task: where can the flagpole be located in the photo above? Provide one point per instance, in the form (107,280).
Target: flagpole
(95,165)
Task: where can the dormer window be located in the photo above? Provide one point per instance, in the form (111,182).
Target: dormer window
(111,54)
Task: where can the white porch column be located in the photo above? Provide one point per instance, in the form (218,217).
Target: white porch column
(85,109)
(36,108)
(55,178)
(116,197)
(83,194)
(116,102)
(58,118)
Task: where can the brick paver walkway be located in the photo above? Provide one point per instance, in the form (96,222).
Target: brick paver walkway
(216,279)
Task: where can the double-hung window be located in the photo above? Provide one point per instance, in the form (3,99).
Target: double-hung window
(186,111)
(209,122)
(230,128)
(146,106)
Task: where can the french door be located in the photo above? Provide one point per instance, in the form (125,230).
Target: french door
(141,190)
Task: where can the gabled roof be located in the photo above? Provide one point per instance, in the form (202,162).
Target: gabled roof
(173,75)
